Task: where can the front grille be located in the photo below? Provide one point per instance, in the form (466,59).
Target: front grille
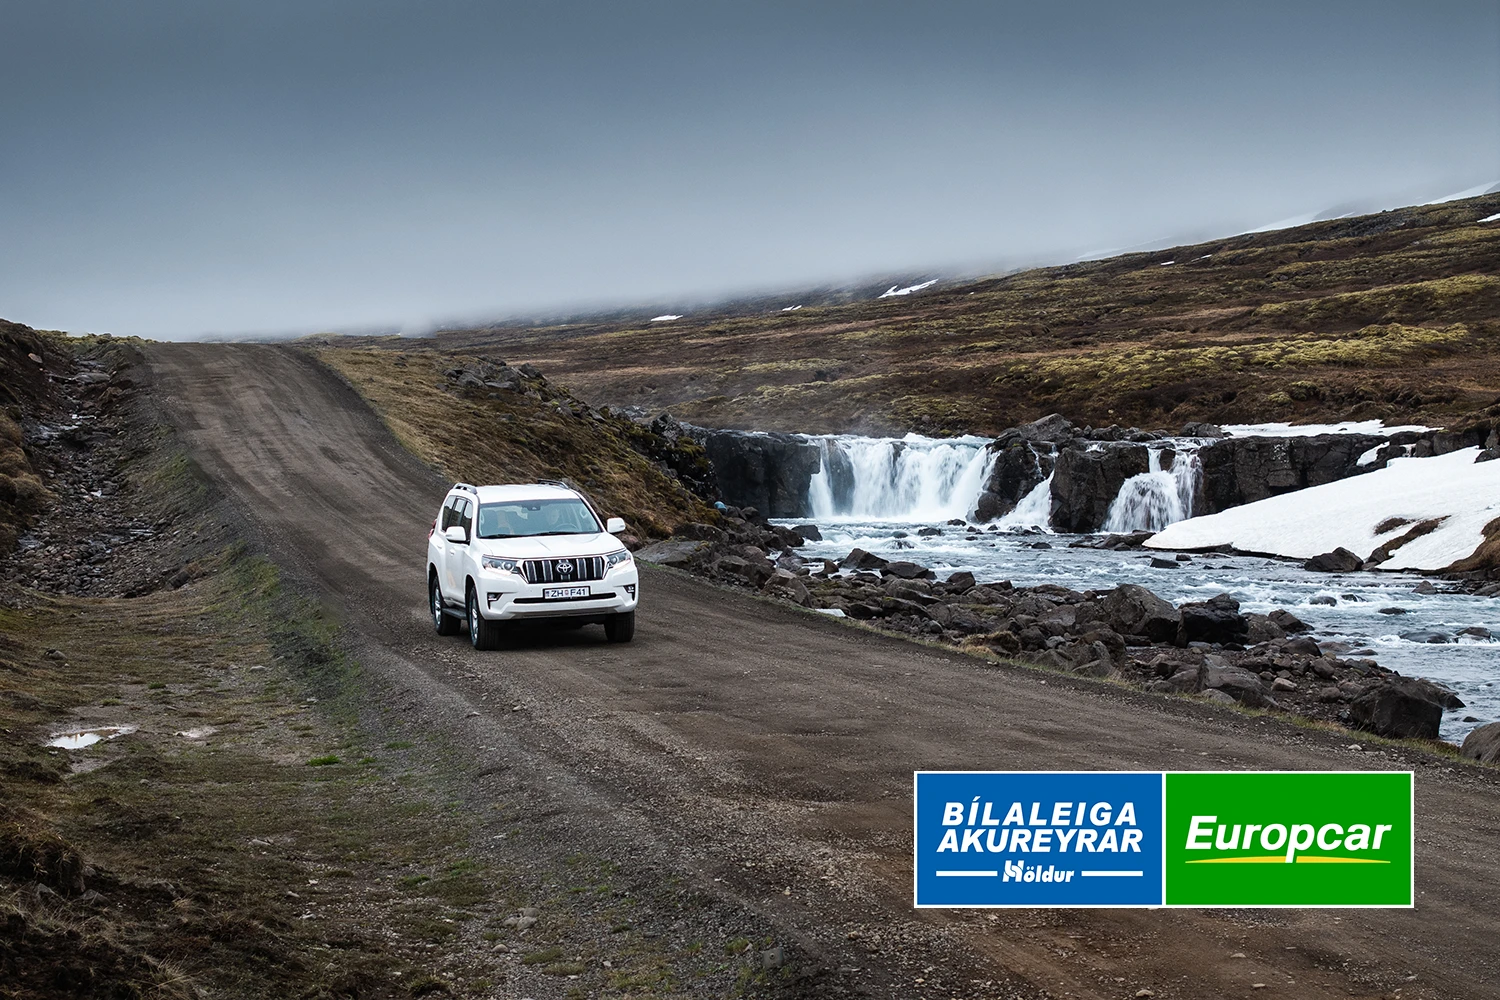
(564,570)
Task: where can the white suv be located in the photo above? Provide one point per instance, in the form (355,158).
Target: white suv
(527,552)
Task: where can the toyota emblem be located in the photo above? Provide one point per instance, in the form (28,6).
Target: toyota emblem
(564,566)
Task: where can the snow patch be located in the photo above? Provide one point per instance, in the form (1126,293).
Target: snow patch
(1491,218)
(1312,430)
(665,318)
(893,290)
(1368,458)
(1473,192)
(1166,262)
(789,309)
(1465,494)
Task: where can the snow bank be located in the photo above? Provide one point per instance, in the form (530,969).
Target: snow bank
(1311,430)
(893,290)
(1320,519)
(667,318)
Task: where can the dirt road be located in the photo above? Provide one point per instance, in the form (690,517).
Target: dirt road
(764,754)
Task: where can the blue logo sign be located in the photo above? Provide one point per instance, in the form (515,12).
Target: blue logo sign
(1038,838)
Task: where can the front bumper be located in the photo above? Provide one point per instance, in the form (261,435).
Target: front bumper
(508,597)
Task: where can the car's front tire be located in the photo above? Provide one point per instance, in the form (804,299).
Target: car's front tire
(620,627)
(483,634)
(442,622)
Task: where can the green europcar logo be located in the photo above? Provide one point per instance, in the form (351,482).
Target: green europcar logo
(1302,838)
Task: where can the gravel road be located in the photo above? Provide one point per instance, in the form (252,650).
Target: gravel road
(764,755)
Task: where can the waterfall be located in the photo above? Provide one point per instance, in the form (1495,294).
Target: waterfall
(908,479)
(1154,499)
(1034,510)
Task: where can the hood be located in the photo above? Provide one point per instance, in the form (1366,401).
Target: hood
(598,543)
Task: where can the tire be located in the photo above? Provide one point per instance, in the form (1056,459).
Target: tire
(442,622)
(621,627)
(483,634)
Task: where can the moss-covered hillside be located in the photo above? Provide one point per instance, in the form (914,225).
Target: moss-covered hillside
(1394,315)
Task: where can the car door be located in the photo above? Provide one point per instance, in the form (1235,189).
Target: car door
(442,548)
(458,553)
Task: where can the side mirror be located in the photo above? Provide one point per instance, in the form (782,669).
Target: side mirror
(456,533)
(614,525)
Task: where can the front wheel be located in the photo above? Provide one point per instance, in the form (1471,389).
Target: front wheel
(620,628)
(483,634)
(444,623)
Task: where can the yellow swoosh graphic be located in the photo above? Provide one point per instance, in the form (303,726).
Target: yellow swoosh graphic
(1280,859)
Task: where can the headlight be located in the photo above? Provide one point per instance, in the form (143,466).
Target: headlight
(616,558)
(500,564)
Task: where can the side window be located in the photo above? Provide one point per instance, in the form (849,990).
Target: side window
(450,514)
(466,518)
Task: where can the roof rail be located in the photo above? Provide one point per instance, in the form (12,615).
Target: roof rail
(554,482)
(466,486)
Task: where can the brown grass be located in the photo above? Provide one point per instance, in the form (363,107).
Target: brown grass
(515,437)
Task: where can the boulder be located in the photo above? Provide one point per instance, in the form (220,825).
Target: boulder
(808,531)
(1340,560)
(675,552)
(1216,620)
(1054,428)
(1262,629)
(1397,708)
(788,585)
(1186,681)
(1483,744)
(1433,691)
(1288,622)
(908,570)
(960,581)
(860,559)
(1237,682)
(1302,645)
(700,532)
(1133,610)
(1086,481)
(1435,638)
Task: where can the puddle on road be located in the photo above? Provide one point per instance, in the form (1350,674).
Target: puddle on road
(80,738)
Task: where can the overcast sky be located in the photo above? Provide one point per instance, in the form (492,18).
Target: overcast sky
(176,170)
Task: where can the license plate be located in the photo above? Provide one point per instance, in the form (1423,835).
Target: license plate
(559,593)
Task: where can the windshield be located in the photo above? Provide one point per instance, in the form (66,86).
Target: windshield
(523,518)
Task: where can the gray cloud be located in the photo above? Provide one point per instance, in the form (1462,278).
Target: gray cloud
(185,169)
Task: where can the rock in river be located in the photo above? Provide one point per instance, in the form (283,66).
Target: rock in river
(1483,744)
(1340,560)
(1398,708)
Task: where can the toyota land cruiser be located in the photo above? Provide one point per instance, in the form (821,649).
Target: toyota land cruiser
(500,554)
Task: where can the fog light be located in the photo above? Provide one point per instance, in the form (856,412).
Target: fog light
(493,598)
(630,589)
